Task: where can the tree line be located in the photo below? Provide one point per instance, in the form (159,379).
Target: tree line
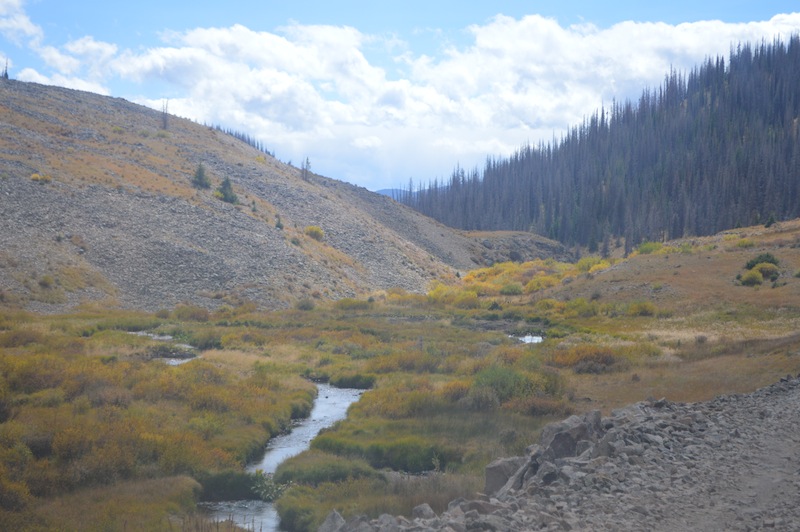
(712,150)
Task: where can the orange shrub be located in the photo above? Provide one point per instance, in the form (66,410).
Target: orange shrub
(586,358)
(455,390)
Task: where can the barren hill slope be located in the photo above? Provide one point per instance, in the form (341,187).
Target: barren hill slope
(96,204)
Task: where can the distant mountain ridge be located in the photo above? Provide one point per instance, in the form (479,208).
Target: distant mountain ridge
(97,204)
(715,149)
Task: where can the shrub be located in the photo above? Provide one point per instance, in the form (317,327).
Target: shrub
(642,308)
(586,358)
(206,425)
(266,487)
(225,192)
(315,232)
(305,305)
(455,390)
(410,454)
(314,467)
(511,289)
(536,405)
(600,266)
(227,485)
(587,263)
(467,300)
(20,338)
(580,307)
(767,270)
(752,278)
(40,178)
(357,381)
(297,508)
(645,248)
(350,304)
(14,496)
(763,257)
(504,382)
(745,243)
(540,282)
(190,313)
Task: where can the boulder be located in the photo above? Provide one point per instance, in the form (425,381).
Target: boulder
(332,523)
(499,471)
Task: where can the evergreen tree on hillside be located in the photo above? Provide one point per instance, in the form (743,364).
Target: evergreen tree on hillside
(225,192)
(707,151)
(200,179)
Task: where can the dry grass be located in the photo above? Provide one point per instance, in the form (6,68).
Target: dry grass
(138,505)
(684,381)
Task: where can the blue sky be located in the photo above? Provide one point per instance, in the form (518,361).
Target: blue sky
(375,93)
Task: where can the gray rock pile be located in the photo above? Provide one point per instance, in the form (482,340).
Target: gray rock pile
(728,464)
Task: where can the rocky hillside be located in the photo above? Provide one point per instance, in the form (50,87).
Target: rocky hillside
(97,204)
(726,464)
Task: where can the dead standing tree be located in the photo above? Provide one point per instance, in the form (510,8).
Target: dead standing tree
(165,114)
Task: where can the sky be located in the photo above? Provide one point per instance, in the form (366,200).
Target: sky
(379,93)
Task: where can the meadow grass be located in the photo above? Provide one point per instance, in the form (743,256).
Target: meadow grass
(88,419)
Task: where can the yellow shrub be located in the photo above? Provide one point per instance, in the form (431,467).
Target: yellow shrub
(40,178)
(467,300)
(550,304)
(586,263)
(767,270)
(540,282)
(752,278)
(315,232)
(642,308)
(602,265)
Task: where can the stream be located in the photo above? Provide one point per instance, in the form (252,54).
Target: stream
(330,406)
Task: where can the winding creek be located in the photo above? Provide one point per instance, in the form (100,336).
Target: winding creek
(330,406)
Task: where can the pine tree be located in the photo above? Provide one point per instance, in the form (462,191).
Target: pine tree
(706,151)
(200,179)
(225,192)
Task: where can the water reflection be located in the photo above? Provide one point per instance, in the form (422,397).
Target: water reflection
(529,339)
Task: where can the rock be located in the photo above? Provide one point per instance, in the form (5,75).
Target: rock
(333,523)
(498,472)
(650,466)
(423,511)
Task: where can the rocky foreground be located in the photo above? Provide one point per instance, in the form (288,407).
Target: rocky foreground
(732,463)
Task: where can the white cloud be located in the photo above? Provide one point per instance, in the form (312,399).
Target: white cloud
(15,24)
(56,59)
(310,91)
(367,143)
(29,74)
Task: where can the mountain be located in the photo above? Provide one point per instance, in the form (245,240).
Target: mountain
(716,149)
(97,205)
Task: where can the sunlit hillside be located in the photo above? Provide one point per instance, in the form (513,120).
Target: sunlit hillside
(100,203)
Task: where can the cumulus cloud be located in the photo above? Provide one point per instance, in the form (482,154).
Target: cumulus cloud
(15,24)
(31,75)
(310,91)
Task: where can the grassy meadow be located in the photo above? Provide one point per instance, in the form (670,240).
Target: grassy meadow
(97,432)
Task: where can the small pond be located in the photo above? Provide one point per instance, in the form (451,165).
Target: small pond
(529,339)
